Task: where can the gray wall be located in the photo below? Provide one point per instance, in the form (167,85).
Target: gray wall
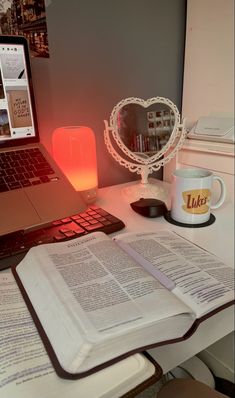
(100,52)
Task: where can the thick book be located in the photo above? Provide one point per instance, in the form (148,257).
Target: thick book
(96,300)
(26,370)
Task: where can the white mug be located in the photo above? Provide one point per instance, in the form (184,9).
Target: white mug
(191,193)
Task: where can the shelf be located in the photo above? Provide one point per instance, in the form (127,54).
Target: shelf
(209,147)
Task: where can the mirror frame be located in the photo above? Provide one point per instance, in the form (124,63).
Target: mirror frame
(139,164)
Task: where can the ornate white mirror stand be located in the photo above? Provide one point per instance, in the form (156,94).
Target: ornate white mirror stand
(131,145)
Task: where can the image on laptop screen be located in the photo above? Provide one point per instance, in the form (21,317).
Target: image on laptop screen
(16,114)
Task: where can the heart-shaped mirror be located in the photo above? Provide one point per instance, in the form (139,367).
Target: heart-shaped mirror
(144,130)
(148,132)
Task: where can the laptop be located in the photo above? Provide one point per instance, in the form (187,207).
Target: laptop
(33,190)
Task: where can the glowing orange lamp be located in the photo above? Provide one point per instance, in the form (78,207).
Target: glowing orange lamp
(74,150)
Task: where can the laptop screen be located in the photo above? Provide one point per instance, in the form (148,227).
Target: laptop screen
(17,120)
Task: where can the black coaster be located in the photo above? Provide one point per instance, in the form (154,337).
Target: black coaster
(168,218)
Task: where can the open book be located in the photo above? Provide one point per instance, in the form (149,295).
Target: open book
(96,300)
(26,370)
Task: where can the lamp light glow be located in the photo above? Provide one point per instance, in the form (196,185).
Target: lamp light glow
(74,150)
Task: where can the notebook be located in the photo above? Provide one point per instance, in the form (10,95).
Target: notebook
(33,190)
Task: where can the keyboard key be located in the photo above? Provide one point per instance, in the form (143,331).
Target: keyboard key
(102,212)
(66,220)
(59,237)
(97,216)
(14,185)
(92,213)
(20,169)
(106,222)
(30,168)
(79,230)
(93,222)
(14,163)
(5,166)
(84,224)
(83,215)
(9,179)
(43,172)
(41,165)
(10,171)
(70,234)
(64,230)
(57,222)
(28,174)
(94,227)
(23,155)
(44,179)
(100,218)
(77,218)
(112,218)
(36,182)
(25,183)
(19,177)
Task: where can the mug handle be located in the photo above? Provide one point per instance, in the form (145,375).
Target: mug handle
(222,194)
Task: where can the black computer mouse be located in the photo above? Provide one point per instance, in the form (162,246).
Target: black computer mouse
(149,207)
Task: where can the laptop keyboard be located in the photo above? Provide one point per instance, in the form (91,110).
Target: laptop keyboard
(14,246)
(24,168)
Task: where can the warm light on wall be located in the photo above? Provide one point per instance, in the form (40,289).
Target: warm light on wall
(74,150)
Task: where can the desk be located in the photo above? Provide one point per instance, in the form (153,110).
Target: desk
(217,238)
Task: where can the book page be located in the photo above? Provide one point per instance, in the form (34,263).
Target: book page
(200,279)
(96,293)
(26,371)
(23,359)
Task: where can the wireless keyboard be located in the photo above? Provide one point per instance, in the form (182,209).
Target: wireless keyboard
(14,246)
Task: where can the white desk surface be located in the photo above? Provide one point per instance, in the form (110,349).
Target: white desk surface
(217,238)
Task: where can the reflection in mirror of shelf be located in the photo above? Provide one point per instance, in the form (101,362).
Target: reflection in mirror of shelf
(145,131)
(148,133)
(160,126)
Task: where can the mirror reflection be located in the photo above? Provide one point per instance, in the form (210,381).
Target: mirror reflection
(145,130)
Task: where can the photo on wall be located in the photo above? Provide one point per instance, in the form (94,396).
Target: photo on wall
(13,66)
(4,124)
(19,107)
(26,18)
